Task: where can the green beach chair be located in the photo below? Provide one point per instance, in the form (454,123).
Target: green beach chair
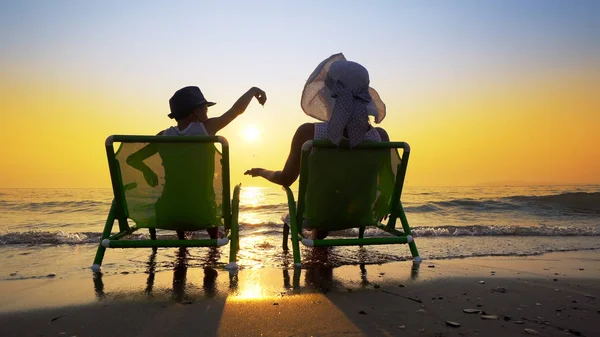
(186,188)
(342,188)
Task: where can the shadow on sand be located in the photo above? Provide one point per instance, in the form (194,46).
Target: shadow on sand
(320,277)
(250,293)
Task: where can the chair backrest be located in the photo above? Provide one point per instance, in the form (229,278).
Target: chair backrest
(193,181)
(343,188)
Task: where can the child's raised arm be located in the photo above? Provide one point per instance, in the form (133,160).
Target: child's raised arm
(136,160)
(213,125)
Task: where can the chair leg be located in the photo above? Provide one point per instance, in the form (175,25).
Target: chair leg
(295,242)
(235,228)
(234,244)
(294,227)
(105,234)
(286,232)
(412,245)
(99,256)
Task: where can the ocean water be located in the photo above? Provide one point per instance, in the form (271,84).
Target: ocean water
(57,230)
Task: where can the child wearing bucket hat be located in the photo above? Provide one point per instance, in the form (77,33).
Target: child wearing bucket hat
(338,94)
(189,108)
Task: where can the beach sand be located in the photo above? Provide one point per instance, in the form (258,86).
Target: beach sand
(555,294)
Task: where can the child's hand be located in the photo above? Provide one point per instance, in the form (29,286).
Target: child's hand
(151,178)
(259,94)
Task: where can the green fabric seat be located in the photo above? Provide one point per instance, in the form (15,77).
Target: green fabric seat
(343,188)
(191,191)
(341,194)
(188,199)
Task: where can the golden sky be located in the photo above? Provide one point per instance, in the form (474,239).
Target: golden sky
(488,95)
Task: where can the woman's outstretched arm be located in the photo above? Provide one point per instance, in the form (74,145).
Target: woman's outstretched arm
(291,170)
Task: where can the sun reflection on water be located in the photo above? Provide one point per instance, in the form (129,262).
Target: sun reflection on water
(260,225)
(255,250)
(251,197)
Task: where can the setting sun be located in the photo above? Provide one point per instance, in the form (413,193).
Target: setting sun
(251,133)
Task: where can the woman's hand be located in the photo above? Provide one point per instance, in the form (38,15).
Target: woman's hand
(255,172)
(272,176)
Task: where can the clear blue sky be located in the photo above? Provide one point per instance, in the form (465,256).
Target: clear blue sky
(212,43)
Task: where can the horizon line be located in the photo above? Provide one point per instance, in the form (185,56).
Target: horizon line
(275,186)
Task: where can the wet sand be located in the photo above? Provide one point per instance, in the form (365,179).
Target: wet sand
(554,294)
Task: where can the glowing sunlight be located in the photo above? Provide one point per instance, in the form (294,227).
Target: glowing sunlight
(251,133)
(254,289)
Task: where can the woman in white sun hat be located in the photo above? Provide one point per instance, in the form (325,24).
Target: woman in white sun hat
(338,94)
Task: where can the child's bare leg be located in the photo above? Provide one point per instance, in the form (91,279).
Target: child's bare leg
(180,235)
(213,232)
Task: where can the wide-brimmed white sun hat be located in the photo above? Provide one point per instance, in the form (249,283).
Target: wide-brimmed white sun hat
(338,92)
